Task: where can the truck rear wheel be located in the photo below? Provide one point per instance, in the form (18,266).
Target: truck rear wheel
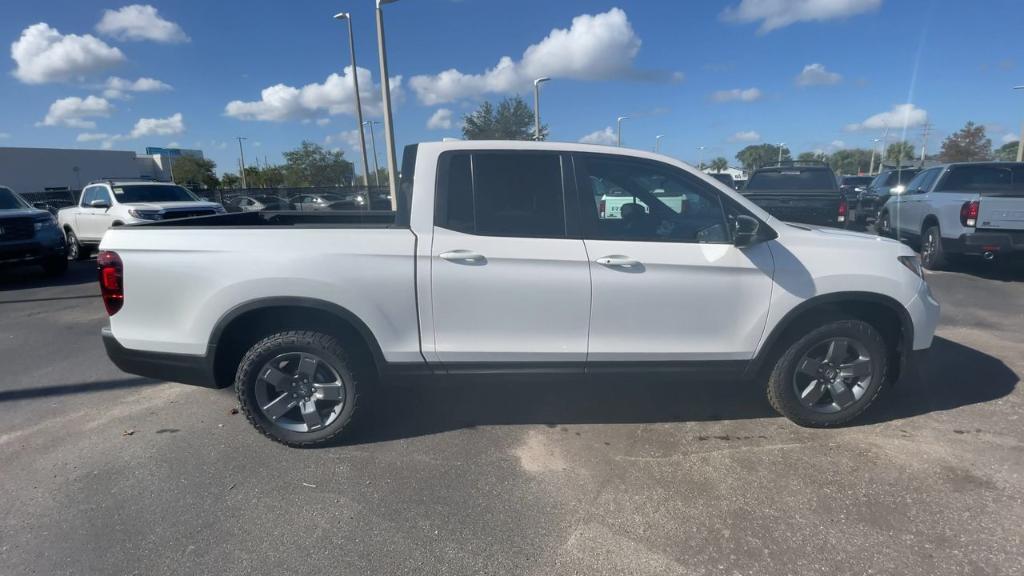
(296,388)
(933,257)
(830,375)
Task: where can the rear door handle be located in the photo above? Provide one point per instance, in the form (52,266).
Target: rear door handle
(462,256)
(618,261)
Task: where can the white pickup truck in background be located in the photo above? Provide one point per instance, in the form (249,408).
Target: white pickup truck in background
(110,203)
(499,260)
(964,209)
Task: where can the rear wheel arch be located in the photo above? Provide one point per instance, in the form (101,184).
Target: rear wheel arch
(241,327)
(885,314)
(929,221)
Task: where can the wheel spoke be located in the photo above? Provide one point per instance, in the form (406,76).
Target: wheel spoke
(277,379)
(859,368)
(809,366)
(310,415)
(332,391)
(307,366)
(812,393)
(280,406)
(836,350)
(841,394)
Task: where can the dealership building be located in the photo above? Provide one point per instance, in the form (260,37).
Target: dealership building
(40,169)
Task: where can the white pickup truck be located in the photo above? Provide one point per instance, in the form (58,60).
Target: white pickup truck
(498,260)
(965,209)
(108,203)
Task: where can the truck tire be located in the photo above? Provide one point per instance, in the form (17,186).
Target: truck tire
(297,388)
(932,255)
(830,375)
(75,249)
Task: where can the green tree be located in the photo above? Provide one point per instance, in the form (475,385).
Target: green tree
(311,165)
(229,180)
(511,120)
(718,164)
(757,155)
(193,172)
(851,161)
(968,144)
(899,153)
(1007,152)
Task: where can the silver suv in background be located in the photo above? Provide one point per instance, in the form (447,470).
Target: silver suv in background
(973,209)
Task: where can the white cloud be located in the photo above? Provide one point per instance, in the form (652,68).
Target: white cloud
(73,111)
(173,124)
(323,121)
(440,120)
(42,54)
(1009,137)
(737,95)
(607,137)
(334,96)
(774,14)
(173,144)
(139,22)
(901,116)
(817,75)
(349,137)
(94,136)
(595,47)
(5,135)
(747,136)
(837,145)
(117,87)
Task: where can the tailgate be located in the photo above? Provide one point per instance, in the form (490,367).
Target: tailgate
(813,207)
(1001,213)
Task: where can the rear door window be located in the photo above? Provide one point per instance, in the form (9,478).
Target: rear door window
(984,179)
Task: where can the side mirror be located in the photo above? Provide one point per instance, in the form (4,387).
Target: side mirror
(746,229)
(99,204)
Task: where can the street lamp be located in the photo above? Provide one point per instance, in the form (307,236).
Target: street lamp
(385,87)
(618,124)
(657,142)
(871,169)
(781,146)
(241,159)
(355,84)
(1020,143)
(700,158)
(536,106)
(373,142)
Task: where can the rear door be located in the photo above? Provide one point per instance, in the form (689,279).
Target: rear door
(914,203)
(510,280)
(668,283)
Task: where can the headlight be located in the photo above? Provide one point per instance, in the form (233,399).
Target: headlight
(44,224)
(913,263)
(144,214)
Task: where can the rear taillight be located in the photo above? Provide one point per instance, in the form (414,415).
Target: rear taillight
(601,208)
(111,274)
(969,214)
(842,210)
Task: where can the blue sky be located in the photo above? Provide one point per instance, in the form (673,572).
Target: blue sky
(815,74)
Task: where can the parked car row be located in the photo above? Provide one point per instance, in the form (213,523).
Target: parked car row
(347,200)
(29,235)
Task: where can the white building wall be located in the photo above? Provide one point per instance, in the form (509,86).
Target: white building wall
(35,169)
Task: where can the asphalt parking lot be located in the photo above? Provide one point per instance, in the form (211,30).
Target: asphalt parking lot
(107,473)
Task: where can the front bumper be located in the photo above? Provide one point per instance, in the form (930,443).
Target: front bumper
(32,251)
(183,368)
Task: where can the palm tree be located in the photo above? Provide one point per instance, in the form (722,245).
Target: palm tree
(718,164)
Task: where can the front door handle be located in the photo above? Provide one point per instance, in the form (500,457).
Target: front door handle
(464,256)
(618,261)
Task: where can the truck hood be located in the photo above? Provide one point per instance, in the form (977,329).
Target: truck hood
(22,213)
(191,205)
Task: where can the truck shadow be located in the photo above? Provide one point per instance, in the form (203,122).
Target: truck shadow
(25,277)
(959,376)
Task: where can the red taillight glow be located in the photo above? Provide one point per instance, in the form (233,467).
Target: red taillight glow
(601,208)
(969,213)
(842,210)
(111,273)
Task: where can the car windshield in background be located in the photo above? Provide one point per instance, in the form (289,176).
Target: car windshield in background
(986,180)
(11,201)
(793,180)
(857,180)
(896,177)
(138,193)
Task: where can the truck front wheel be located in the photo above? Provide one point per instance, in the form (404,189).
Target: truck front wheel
(830,375)
(296,388)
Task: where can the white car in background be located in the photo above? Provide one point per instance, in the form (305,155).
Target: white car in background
(110,203)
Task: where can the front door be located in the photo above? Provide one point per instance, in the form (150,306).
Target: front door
(508,284)
(668,283)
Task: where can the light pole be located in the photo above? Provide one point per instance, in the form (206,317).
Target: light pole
(536,106)
(871,169)
(618,125)
(781,146)
(1020,143)
(657,142)
(241,159)
(376,165)
(385,87)
(355,84)
(700,158)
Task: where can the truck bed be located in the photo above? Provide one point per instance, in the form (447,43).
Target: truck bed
(807,206)
(331,219)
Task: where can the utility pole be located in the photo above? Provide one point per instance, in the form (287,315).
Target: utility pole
(874,148)
(241,159)
(926,130)
(781,146)
(536,106)
(700,159)
(376,165)
(389,125)
(657,142)
(1020,143)
(618,124)
(355,83)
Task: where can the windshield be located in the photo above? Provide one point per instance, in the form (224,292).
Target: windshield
(11,201)
(793,180)
(138,193)
(897,177)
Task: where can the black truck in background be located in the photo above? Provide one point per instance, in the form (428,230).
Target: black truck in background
(805,192)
